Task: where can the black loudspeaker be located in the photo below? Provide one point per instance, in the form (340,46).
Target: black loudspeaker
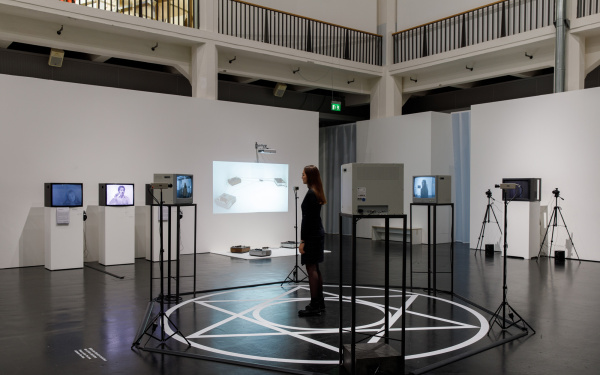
(489,250)
(559,257)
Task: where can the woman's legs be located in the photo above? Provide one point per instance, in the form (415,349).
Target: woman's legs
(315,282)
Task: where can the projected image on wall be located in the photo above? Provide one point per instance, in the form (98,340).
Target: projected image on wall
(249,187)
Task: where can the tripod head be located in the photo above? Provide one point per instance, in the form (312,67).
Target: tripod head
(488,194)
(556,193)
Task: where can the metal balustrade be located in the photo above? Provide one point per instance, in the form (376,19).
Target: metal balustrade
(176,12)
(587,7)
(490,22)
(252,22)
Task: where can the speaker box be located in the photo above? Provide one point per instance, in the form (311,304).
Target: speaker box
(559,257)
(56,57)
(279,89)
(489,250)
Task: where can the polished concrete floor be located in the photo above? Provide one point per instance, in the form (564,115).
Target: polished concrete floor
(86,320)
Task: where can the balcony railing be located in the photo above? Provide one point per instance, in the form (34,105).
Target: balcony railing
(587,8)
(493,21)
(249,21)
(176,12)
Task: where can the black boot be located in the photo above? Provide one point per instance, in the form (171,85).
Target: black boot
(321,304)
(312,309)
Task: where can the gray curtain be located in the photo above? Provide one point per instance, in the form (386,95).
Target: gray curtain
(461,131)
(337,146)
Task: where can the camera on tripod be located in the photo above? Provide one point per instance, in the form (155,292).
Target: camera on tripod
(488,193)
(556,192)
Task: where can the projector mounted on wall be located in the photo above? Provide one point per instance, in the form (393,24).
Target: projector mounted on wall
(263,149)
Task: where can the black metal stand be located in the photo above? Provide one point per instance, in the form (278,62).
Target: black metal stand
(486,219)
(387,218)
(149,326)
(499,317)
(169,296)
(432,251)
(294,271)
(553,222)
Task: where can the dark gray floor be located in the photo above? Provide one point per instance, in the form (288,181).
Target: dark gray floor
(52,318)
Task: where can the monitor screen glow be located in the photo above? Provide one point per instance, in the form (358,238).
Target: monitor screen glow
(119,195)
(184,186)
(424,187)
(249,187)
(67,195)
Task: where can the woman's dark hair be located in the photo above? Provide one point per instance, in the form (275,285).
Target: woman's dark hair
(313,181)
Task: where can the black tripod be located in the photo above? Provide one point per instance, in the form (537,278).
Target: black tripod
(149,325)
(553,223)
(294,270)
(486,219)
(502,309)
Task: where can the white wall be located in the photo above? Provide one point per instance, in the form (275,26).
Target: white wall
(554,137)
(355,14)
(62,132)
(413,13)
(423,142)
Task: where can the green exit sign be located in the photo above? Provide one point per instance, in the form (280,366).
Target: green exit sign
(336,106)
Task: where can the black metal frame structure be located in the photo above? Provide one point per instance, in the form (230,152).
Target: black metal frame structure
(432,250)
(355,219)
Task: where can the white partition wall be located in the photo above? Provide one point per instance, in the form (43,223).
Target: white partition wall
(423,142)
(53,134)
(554,137)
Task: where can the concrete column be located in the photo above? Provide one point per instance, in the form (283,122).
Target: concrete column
(208,15)
(204,71)
(386,95)
(575,63)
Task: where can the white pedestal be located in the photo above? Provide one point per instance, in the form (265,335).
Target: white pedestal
(523,229)
(63,244)
(116,238)
(142,231)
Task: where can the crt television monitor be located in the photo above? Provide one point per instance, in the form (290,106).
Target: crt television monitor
(432,189)
(63,194)
(116,194)
(184,192)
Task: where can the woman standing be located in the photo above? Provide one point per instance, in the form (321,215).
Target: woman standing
(312,239)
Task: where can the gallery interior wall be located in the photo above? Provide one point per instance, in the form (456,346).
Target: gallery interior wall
(553,137)
(423,142)
(63,132)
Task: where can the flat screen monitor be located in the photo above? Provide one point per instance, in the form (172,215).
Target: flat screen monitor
(432,189)
(63,194)
(528,189)
(240,187)
(116,194)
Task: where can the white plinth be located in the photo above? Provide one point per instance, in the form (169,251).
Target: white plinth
(116,237)
(523,229)
(63,244)
(142,231)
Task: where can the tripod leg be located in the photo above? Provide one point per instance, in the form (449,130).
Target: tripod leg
(486,218)
(495,218)
(553,226)
(546,235)
(569,234)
